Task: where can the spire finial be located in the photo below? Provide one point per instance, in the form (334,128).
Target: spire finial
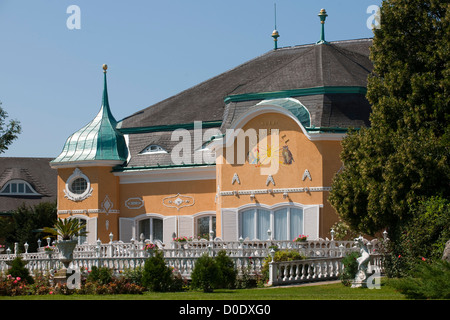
(105,67)
(275,34)
(322,15)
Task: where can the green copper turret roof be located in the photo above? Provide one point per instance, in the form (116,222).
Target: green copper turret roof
(98,140)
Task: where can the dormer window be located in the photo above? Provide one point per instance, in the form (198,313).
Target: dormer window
(153,149)
(18,188)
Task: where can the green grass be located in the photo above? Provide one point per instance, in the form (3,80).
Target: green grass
(334,291)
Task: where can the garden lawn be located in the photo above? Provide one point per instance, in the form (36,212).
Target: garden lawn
(333,291)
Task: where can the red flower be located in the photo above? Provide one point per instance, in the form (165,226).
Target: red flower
(423,259)
(399,255)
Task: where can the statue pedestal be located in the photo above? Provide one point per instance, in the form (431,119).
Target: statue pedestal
(60,277)
(360,280)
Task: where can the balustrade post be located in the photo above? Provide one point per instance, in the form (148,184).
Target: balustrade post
(273,271)
(110,245)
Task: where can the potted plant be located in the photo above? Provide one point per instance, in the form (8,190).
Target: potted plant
(301,238)
(150,248)
(66,230)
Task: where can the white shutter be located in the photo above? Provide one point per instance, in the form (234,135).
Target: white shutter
(185,226)
(169,229)
(311,222)
(229,225)
(126,229)
(91,226)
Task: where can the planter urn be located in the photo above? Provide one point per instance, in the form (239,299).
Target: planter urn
(66,248)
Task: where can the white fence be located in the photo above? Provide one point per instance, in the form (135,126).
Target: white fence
(247,255)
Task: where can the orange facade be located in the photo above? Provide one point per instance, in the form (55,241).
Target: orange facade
(301,171)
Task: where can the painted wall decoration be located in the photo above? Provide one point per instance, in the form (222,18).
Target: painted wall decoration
(235,179)
(134,203)
(178,201)
(107,204)
(269,180)
(263,153)
(306,174)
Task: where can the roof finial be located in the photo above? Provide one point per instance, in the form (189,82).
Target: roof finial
(105,67)
(322,15)
(275,34)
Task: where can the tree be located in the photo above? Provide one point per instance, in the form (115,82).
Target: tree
(403,157)
(26,223)
(8,131)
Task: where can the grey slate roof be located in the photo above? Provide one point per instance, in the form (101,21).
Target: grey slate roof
(163,139)
(35,171)
(340,63)
(336,64)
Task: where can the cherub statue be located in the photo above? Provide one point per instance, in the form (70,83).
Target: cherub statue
(363,262)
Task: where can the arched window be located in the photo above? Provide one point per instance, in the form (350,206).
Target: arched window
(18,188)
(82,239)
(285,223)
(151,228)
(153,149)
(204,224)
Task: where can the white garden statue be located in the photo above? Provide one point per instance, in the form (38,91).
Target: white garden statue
(363,261)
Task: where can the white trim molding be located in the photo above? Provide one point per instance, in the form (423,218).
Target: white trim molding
(167,174)
(77,174)
(274,191)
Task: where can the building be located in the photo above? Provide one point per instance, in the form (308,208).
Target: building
(249,153)
(28,181)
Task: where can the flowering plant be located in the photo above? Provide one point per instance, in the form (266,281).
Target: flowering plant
(301,238)
(150,246)
(182,239)
(49,249)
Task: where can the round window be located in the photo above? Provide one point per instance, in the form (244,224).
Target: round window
(78,186)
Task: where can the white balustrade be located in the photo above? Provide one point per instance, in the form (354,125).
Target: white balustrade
(323,257)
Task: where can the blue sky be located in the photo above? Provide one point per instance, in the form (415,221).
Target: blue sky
(51,76)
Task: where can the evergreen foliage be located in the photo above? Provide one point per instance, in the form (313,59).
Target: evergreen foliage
(428,281)
(18,269)
(403,157)
(26,224)
(158,277)
(206,274)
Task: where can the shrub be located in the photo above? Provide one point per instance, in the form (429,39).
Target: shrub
(102,275)
(350,268)
(427,281)
(206,274)
(18,269)
(134,275)
(12,286)
(227,270)
(156,276)
(424,234)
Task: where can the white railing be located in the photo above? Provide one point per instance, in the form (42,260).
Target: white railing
(314,269)
(247,255)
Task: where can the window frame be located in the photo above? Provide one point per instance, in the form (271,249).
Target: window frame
(272,211)
(212,224)
(147,150)
(151,227)
(77,174)
(17,182)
